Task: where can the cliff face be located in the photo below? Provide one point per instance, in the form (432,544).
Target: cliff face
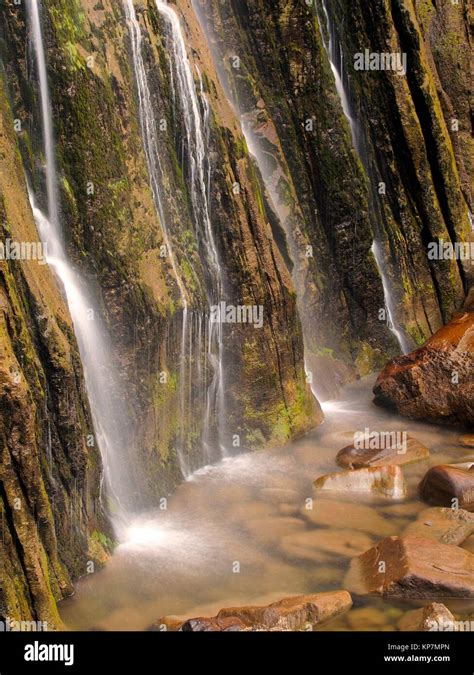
(50,518)
(402,186)
(116,239)
(410,139)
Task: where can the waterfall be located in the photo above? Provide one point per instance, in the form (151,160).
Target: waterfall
(335,56)
(150,138)
(103,389)
(389,302)
(149,135)
(196,118)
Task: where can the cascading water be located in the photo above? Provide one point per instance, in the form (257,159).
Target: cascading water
(110,420)
(155,170)
(334,52)
(196,127)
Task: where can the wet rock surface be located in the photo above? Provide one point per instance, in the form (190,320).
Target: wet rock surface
(413,567)
(385,480)
(449,485)
(390,450)
(295,613)
(435,382)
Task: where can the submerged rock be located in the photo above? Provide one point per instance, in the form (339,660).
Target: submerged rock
(314,545)
(435,382)
(449,485)
(427,618)
(448,526)
(467,440)
(413,567)
(390,451)
(300,612)
(386,480)
(271,530)
(337,514)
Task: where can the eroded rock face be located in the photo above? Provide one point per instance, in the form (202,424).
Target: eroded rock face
(388,452)
(429,618)
(435,382)
(51,522)
(385,480)
(449,485)
(408,143)
(413,567)
(300,612)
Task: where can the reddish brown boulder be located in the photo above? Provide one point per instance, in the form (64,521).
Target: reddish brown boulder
(252,616)
(435,382)
(413,567)
(293,613)
(299,612)
(444,483)
(387,450)
(320,606)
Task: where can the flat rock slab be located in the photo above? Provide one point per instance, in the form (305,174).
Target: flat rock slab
(413,567)
(467,441)
(444,483)
(293,613)
(290,614)
(390,451)
(448,526)
(435,616)
(384,480)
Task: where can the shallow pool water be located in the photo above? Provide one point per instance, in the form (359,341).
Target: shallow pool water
(241,532)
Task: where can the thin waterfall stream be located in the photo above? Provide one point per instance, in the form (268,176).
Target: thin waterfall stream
(336,60)
(103,386)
